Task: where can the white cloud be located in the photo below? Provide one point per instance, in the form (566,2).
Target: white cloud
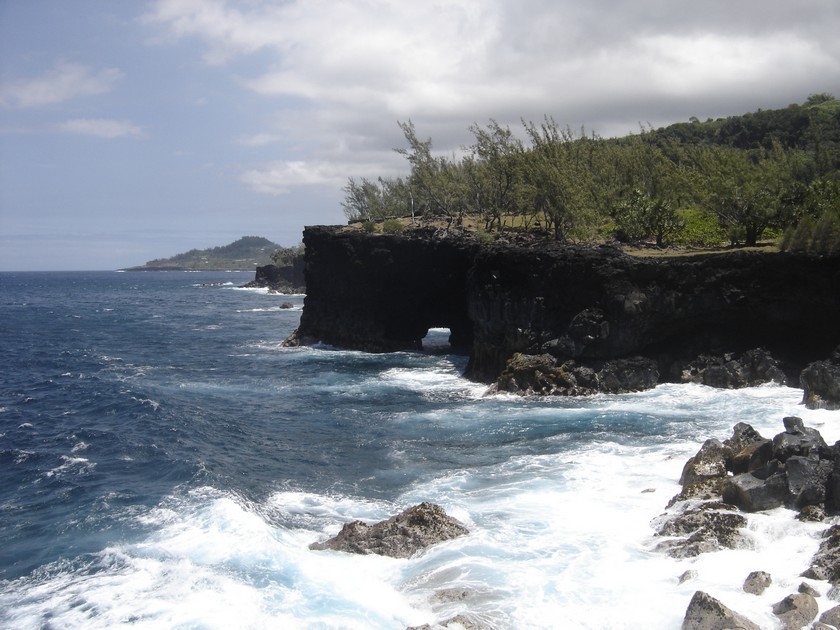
(64,82)
(280,176)
(102,128)
(353,69)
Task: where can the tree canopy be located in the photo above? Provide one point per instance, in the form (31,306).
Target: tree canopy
(734,179)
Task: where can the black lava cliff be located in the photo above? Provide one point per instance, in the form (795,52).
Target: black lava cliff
(590,305)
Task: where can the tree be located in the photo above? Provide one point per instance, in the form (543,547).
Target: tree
(560,180)
(495,173)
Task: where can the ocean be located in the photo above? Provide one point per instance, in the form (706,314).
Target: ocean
(165,463)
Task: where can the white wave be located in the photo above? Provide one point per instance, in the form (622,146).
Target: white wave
(213,563)
(76,465)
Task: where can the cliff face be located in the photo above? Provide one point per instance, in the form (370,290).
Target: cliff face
(383,293)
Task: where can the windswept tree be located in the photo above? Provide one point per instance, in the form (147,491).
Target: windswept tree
(495,173)
(560,181)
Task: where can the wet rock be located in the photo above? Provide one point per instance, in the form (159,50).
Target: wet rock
(458,622)
(748,450)
(709,462)
(825,565)
(757,582)
(796,611)
(807,478)
(831,617)
(704,612)
(686,576)
(807,589)
(543,374)
(729,371)
(706,490)
(401,536)
(811,513)
(821,383)
(798,439)
(699,529)
(752,494)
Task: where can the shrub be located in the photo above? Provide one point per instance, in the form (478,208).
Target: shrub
(369,227)
(392,226)
(700,228)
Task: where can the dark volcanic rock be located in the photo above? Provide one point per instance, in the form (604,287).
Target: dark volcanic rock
(752,368)
(798,439)
(699,529)
(704,612)
(587,304)
(753,494)
(401,536)
(709,462)
(821,383)
(541,374)
(286,279)
(825,565)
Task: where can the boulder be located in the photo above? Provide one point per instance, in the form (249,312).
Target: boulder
(704,612)
(831,617)
(700,528)
(729,371)
(820,382)
(748,450)
(757,582)
(807,478)
(796,611)
(400,536)
(798,439)
(752,494)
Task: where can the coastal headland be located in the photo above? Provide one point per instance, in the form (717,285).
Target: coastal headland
(584,318)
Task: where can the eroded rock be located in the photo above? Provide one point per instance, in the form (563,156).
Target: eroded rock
(796,611)
(757,582)
(400,536)
(704,612)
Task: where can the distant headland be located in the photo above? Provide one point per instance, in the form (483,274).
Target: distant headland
(244,254)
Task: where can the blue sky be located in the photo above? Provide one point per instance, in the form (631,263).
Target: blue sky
(135,130)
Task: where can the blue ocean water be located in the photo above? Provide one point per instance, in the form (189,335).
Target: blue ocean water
(165,463)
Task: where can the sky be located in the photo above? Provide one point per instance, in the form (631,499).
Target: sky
(136,130)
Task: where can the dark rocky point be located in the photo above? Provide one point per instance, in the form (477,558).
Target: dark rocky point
(593,306)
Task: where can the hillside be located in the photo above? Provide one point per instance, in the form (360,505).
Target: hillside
(244,254)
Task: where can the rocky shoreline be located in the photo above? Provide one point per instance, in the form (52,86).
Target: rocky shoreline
(747,473)
(721,484)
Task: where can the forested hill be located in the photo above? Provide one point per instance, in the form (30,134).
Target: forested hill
(244,254)
(793,127)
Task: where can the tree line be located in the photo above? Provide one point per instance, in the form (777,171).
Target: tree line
(730,180)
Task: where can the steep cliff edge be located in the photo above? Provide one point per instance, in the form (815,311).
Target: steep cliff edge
(588,304)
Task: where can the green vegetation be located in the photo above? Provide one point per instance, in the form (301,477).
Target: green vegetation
(733,180)
(244,254)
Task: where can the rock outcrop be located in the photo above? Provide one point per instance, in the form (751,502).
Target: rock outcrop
(821,382)
(285,279)
(400,536)
(589,305)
